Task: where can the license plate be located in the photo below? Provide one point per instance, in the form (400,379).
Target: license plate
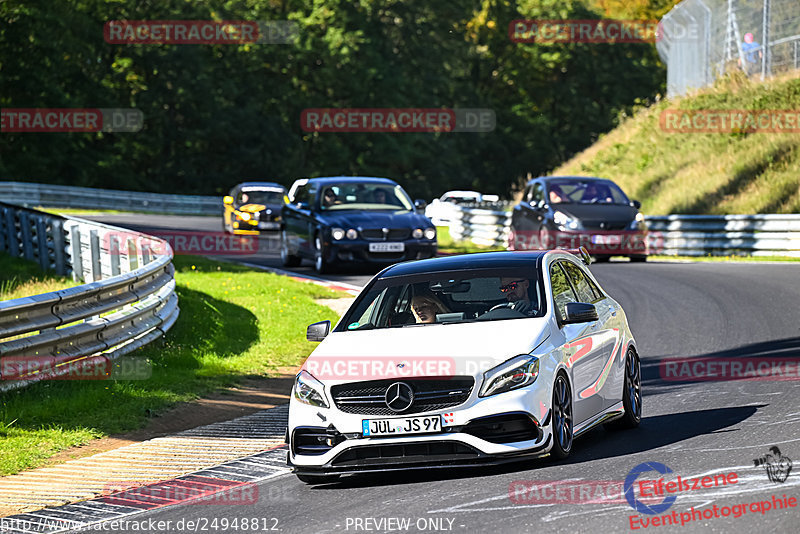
(387,247)
(397,427)
(268,226)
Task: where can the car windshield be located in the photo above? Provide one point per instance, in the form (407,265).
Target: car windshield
(258,196)
(585,192)
(447,297)
(366,196)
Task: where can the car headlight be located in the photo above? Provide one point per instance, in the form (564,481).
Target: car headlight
(417,233)
(352,233)
(309,390)
(337,234)
(562,219)
(243,215)
(430,233)
(638,223)
(517,372)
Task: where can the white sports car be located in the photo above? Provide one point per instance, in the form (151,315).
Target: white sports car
(463,360)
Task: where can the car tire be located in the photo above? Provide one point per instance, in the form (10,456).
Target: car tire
(317,479)
(601,259)
(321,265)
(631,394)
(561,420)
(639,258)
(288,260)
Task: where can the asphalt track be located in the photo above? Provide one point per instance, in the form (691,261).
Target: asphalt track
(742,311)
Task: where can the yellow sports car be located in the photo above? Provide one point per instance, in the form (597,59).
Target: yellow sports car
(253,207)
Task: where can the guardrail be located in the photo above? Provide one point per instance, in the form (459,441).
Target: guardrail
(675,235)
(128,298)
(62,196)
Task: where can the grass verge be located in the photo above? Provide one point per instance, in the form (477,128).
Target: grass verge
(235,322)
(447,245)
(22,278)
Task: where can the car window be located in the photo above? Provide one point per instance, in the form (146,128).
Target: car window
(562,290)
(364,196)
(579,282)
(586,192)
(536,194)
(302,194)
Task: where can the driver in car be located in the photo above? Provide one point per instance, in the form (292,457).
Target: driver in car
(516,293)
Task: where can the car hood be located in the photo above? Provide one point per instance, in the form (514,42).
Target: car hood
(424,350)
(598,212)
(376,219)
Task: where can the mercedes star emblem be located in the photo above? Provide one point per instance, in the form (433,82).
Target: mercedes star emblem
(399,397)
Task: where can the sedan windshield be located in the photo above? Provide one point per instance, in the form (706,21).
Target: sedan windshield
(447,297)
(365,197)
(585,192)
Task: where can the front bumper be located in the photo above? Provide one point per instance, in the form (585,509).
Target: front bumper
(344,251)
(467,439)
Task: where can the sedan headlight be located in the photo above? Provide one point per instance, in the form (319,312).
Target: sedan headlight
(430,233)
(417,233)
(337,234)
(352,233)
(309,390)
(243,215)
(638,223)
(562,219)
(516,373)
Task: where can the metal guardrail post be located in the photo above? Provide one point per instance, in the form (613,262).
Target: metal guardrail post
(94,248)
(59,246)
(11,233)
(77,259)
(114,252)
(25,231)
(41,238)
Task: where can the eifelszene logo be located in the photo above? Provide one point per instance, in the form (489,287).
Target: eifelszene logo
(630,495)
(776,464)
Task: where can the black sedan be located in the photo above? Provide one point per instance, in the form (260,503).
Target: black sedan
(253,207)
(339,220)
(579,211)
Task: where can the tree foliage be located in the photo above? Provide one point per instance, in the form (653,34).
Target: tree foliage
(216,115)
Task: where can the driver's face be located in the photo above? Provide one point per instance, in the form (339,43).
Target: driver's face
(517,289)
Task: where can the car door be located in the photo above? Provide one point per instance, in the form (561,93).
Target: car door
(606,337)
(582,353)
(527,217)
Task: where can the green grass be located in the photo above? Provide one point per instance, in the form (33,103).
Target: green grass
(235,322)
(22,278)
(704,173)
(449,246)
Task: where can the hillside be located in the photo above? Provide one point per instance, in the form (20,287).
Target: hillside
(696,173)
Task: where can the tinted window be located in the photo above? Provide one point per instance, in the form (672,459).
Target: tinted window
(578,191)
(562,291)
(537,193)
(302,194)
(355,196)
(579,282)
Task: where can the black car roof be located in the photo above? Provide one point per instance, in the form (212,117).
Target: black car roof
(353,179)
(478,260)
(260,184)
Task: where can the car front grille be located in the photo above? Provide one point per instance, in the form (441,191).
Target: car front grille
(605,225)
(430,394)
(405,453)
(395,234)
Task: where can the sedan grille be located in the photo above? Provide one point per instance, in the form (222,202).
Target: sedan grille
(395,234)
(430,394)
(605,225)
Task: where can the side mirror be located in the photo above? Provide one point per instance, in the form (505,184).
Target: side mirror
(227,199)
(636,204)
(579,312)
(420,204)
(318,331)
